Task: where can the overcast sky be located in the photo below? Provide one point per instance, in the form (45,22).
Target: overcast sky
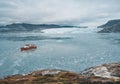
(78,12)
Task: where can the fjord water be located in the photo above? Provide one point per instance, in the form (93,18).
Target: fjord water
(67,49)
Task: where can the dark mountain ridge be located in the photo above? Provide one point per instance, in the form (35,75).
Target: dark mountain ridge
(30,27)
(112,26)
(110,23)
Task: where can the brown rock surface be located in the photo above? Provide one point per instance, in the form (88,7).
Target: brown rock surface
(54,76)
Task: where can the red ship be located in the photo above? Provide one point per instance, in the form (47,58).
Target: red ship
(28,47)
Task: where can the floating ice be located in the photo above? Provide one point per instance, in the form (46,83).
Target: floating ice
(69,30)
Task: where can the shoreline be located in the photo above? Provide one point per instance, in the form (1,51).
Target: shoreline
(106,73)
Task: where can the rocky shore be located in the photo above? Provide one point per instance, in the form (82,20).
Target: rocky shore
(112,26)
(103,74)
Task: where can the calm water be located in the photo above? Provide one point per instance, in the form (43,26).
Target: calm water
(67,49)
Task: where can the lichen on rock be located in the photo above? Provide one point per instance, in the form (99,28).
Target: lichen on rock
(104,74)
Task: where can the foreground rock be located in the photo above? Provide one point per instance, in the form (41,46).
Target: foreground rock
(112,26)
(106,70)
(105,74)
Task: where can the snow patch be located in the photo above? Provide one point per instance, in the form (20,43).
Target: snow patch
(50,72)
(102,72)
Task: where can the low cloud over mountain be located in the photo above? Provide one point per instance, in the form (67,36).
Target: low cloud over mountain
(84,12)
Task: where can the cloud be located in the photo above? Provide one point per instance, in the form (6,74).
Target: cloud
(59,11)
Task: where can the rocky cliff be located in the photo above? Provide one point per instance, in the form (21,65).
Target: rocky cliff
(112,26)
(104,74)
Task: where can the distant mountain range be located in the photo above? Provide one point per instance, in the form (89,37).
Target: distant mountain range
(30,27)
(112,26)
